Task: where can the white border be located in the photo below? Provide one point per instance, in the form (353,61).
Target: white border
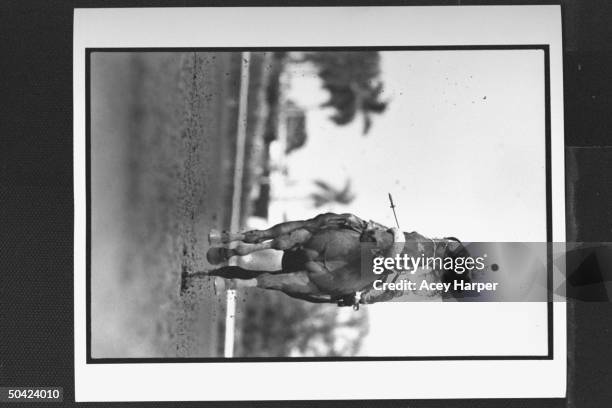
(309,26)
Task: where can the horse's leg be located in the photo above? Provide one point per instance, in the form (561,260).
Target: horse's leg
(243,278)
(217,255)
(237,272)
(256,236)
(297,282)
(294,284)
(284,228)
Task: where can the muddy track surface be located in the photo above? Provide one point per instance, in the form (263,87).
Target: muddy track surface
(158,186)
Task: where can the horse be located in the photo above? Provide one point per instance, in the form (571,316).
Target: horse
(322,257)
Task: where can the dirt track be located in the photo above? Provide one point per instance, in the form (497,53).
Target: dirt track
(159,182)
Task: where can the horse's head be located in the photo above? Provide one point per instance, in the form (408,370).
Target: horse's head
(455,249)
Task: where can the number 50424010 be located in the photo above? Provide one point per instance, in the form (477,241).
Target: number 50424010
(8,394)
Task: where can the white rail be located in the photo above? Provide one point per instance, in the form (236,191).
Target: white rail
(230,314)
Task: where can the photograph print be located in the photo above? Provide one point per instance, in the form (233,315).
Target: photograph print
(231,192)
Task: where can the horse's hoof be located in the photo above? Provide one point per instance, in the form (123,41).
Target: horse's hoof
(217,255)
(219,285)
(215,237)
(187,278)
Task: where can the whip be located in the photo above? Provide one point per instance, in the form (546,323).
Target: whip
(393,208)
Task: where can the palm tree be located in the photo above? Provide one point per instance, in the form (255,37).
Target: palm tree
(352,79)
(329,194)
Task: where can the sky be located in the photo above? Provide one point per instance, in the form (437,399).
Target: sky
(461,148)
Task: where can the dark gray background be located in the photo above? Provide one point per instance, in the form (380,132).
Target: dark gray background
(36,290)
